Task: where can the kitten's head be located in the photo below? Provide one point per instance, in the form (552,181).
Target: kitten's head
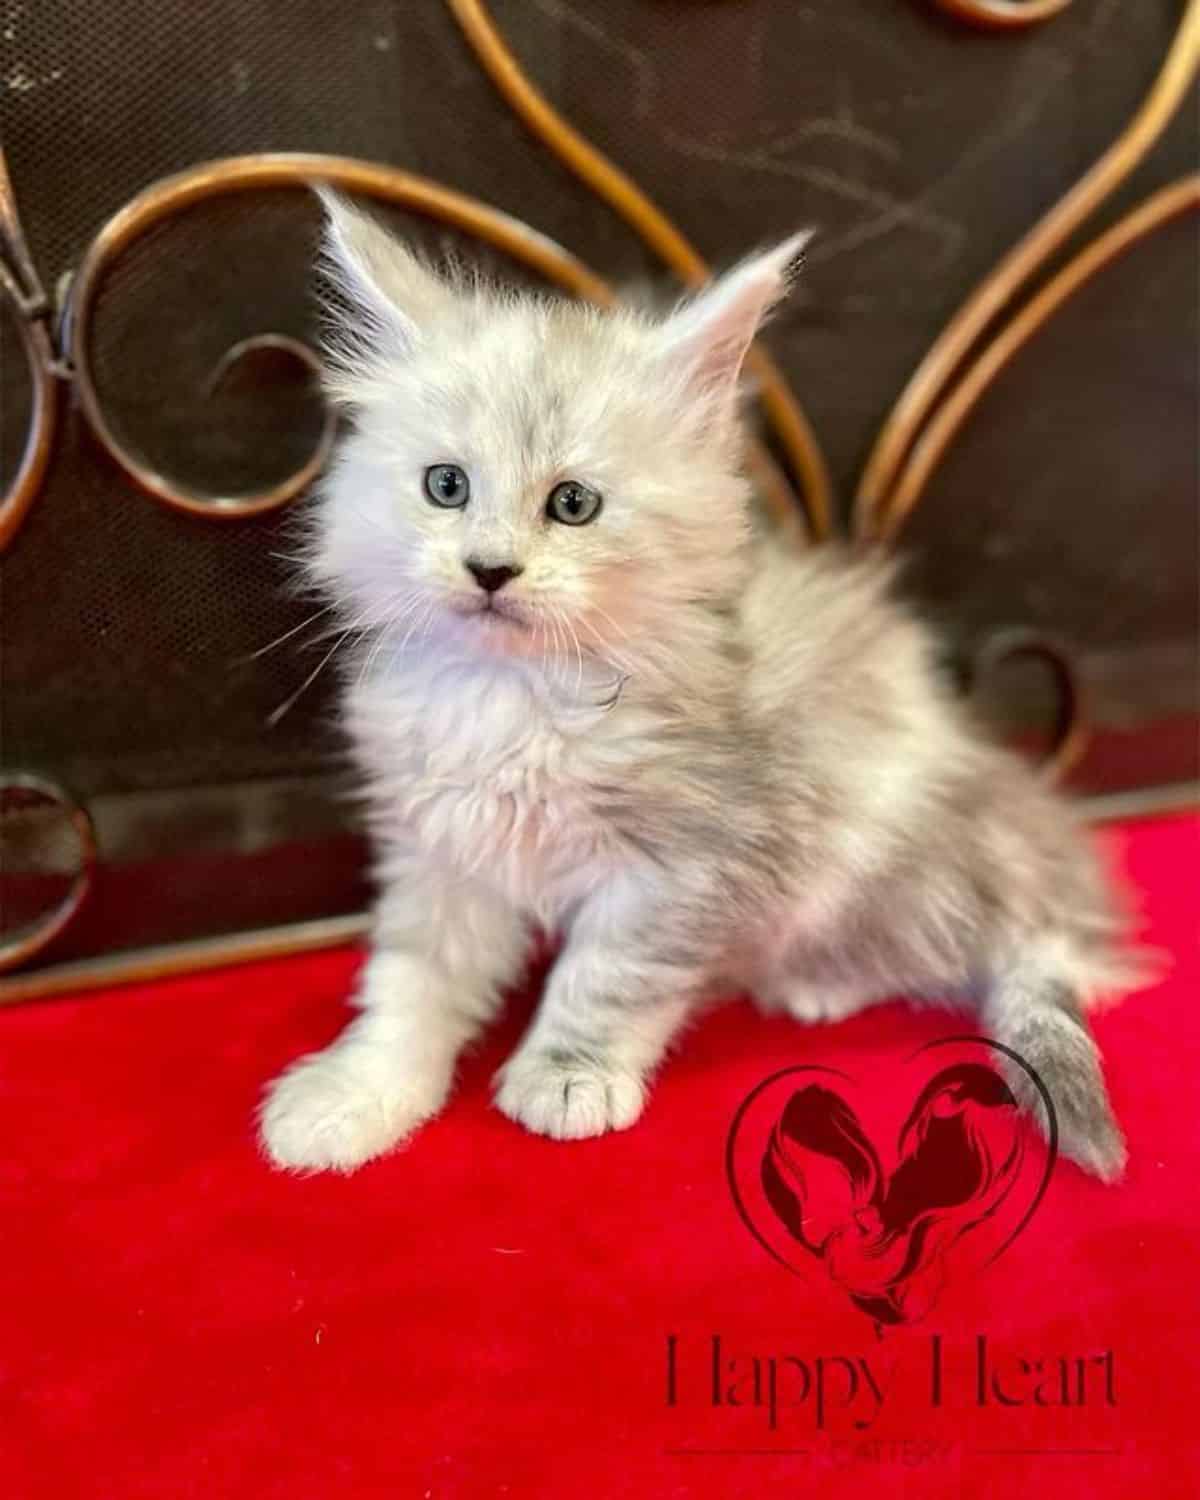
(530,475)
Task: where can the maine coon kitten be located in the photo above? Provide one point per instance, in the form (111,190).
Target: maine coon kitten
(589,701)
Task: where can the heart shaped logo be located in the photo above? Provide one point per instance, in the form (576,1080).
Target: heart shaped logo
(891,1227)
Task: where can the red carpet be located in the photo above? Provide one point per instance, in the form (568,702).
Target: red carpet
(487,1313)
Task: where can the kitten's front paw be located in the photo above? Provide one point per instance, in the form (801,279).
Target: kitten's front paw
(567,1096)
(333,1111)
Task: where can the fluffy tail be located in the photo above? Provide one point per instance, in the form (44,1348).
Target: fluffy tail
(1034,1005)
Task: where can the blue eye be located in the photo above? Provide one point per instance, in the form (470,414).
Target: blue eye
(573,503)
(448,486)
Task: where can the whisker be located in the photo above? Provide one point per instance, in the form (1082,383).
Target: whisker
(276,714)
(418,629)
(554,624)
(610,652)
(604,615)
(578,656)
(279,639)
(393,622)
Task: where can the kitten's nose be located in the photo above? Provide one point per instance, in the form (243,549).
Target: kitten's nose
(491,577)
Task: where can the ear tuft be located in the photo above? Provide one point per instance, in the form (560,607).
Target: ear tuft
(707,337)
(383,294)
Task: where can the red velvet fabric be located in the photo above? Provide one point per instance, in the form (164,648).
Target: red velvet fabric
(486,1313)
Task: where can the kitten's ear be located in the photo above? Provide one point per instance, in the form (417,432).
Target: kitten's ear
(706,339)
(390,293)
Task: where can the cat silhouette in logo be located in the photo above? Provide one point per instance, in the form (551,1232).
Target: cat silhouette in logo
(885,1239)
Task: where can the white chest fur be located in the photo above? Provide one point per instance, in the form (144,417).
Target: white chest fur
(491,771)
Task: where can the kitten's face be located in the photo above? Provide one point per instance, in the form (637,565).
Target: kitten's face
(529,478)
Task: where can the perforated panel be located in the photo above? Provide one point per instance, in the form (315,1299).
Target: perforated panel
(920,150)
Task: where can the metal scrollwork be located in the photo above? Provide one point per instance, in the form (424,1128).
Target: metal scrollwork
(1069,733)
(245,174)
(894,472)
(926,453)
(887,489)
(1003,15)
(20,949)
(19,284)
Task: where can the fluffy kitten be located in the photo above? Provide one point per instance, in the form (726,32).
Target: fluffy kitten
(589,701)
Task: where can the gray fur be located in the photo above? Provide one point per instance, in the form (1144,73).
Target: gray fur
(707,762)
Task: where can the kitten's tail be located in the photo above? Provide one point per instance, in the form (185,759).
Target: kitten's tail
(1035,1006)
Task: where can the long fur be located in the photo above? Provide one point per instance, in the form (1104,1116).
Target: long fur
(703,760)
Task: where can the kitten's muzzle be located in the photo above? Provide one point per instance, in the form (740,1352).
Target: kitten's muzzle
(491,577)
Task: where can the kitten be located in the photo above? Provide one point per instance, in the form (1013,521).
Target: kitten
(589,700)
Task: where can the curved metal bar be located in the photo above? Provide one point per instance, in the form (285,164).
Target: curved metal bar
(1003,15)
(21,286)
(19,950)
(39,440)
(648,221)
(246,174)
(1072,731)
(1162,206)
(31,295)
(256,347)
(929,381)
